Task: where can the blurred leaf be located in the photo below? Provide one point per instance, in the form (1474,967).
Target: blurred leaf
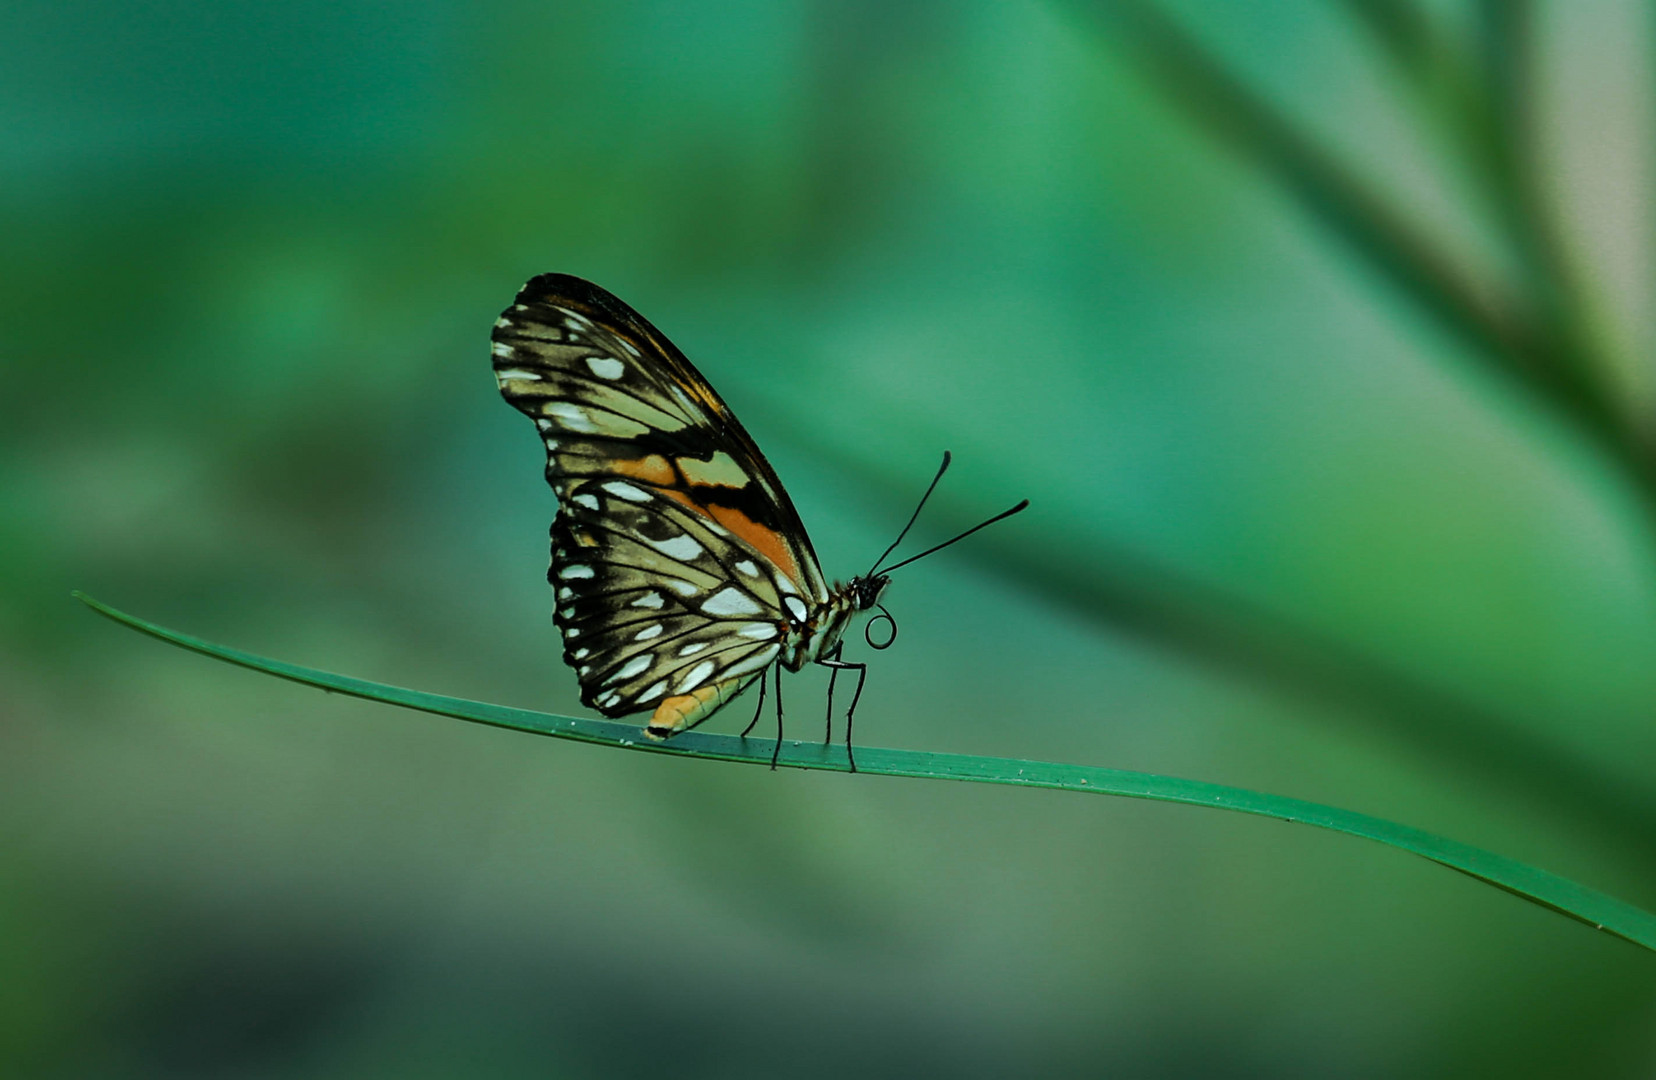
(1400,27)
(1531,339)
(1137,593)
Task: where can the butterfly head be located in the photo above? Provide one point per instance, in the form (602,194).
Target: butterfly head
(865,591)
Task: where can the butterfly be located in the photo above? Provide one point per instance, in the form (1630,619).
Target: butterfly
(680,568)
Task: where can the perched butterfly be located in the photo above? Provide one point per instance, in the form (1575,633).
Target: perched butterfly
(680,568)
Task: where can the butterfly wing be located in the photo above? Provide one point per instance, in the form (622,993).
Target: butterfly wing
(677,557)
(658,608)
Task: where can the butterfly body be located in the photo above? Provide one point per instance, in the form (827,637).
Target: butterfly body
(819,635)
(680,568)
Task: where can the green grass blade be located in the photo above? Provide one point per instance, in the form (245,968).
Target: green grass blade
(1550,891)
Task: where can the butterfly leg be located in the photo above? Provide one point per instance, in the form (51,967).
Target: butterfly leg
(833,674)
(777,753)
(836,665)
(757,711)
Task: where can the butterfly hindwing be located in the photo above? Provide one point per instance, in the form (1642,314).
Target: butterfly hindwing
(653,602)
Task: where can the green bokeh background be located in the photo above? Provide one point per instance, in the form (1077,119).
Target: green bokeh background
(1289,532)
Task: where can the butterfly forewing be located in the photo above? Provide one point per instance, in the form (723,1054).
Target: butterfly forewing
(677,557)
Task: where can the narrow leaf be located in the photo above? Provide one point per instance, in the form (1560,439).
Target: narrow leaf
(1548,890)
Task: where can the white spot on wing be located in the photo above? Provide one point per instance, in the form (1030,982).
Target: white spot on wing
(753,663)
(648,632)
(502,350)
(696,675)
(575,570)
(622,490)
(681,547)
(606,367)
(593,421)
(635,666)
(570,416)
(586,499)
(759,630)
(648,600)
(654,691)
(796,606)
(748,568)
(730,601)
(517,373)
(683,588)
(784,585)
(581,654)
(693,648)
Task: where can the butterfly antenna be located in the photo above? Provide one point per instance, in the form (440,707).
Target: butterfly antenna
(941,469)
(983,525)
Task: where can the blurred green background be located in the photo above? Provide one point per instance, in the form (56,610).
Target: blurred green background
(1317,332)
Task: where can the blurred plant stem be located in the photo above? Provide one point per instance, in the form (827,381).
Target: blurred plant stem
(1530,332)
(1402,31)
(1151,601)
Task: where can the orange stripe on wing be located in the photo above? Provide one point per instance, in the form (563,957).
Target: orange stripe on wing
(767,542)
(652,470)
